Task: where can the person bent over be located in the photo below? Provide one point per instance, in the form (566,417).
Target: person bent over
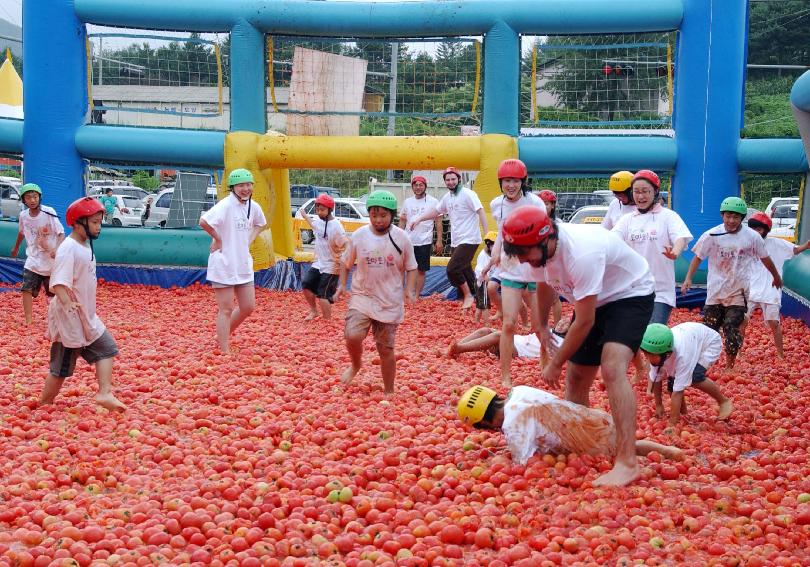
(682,355)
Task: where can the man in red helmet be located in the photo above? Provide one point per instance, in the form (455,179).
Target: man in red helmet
(422,235)
(466,212)
(73,326)
(612,291)
(320,281)
(761,293)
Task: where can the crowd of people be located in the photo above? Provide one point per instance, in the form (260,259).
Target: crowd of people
(619,278)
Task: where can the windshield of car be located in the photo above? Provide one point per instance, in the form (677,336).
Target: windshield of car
(132,203)
(785,212)
(361,208)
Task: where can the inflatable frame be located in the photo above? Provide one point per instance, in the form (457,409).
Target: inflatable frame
(706,154)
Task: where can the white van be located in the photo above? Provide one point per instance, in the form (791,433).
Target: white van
(159,211)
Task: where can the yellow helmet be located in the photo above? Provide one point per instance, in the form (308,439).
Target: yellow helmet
(474,403)
(491,236)
(620,181)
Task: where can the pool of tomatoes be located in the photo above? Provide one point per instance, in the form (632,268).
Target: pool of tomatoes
(261,457)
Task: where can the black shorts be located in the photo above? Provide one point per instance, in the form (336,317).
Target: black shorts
(698,376)
(322,285)
(422,255)
(32,281)
(63,360)
(622,321)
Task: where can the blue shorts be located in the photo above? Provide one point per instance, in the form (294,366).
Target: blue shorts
(531,286)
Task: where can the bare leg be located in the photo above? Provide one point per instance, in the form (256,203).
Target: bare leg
(28,307)
(642,367)
(724,404)
(494,298)
(326,308)
(644,447)
(776,329)
(479,340)
(615,359)
(105,398)
(512,302)
(556,310)
(311,301)
(659,402)
(578,381)
(50,389)
(246,304)
(354,346)
(224,297)
(469,300)
(388,367)
(420,283)
(675,401)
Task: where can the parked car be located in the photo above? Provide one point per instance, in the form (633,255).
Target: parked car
(159,212)
(299,194)
(779,202)
(351,212)
(10,203)
(590,214)
(128,213)
(126,190)
(569,203)
(784,218)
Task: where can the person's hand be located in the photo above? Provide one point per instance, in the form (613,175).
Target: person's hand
(777,281)
(71,306)
(551,374)
(15,251)
(669,253)
(410,226)
(53,254)
(410,296)
(687,283)
(439,248)
(339,293)
(216,244)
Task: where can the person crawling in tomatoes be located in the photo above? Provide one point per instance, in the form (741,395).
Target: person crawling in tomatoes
(533,420)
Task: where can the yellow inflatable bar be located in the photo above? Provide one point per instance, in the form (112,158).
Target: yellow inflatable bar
(272,155)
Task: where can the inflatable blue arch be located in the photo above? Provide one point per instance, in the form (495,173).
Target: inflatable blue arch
(706,155)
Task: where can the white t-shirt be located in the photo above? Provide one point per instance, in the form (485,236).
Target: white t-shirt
(41,233)
(616,211)
(480,264)
(75,268)
(233,264)
(593,261)
(501,208)
(327,248)
(731,258)
(648,234)
(462,209)
(761,287)
(693,344)
(377,283)
(535,420)
(412,208)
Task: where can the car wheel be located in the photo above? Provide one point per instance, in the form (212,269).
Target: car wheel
(162,224)
(307,237)
(117,222)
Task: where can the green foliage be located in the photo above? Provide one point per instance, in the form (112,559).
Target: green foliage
(145,180)
(778,32)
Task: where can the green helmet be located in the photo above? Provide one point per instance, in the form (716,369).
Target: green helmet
(30,187)
(734,205)
(238,176)
(657,339)
(384,199)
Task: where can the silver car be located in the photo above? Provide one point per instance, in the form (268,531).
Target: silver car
(10,203)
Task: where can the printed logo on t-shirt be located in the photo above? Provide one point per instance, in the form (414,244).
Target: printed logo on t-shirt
(241,224)
(729,252)
(641,235)
(561,288)
(375,259)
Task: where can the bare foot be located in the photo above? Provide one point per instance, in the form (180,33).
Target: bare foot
(311,315)
(724,410)
(672,453)
(349,374)
(507,381)
(451,350)
(684,411)
(110,402)
(468,302)
(659,411)
(619,475)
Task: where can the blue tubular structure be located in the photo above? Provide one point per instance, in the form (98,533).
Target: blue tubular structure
(771,156)
(708,108)
(395,19)
(55,99)
(248,104)
(501,81)
(11,136)
(593,154)
(151,145)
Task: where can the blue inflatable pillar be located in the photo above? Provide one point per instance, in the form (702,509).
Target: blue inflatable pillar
(248,105)
(54,99)
(501,81)
(710,77)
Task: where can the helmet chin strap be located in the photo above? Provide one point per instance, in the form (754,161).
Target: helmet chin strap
(648,209)
(664,358)
(90,236)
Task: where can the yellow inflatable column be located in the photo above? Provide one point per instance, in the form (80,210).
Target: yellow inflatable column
(494,149)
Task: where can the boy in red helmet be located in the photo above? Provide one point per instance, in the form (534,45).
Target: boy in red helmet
(321,279)
(422,234)
(761,294)
(73,326)
(612,291)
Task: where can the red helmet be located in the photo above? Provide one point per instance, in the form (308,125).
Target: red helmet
(761,218)
(326,200)
(548,195)
(527,226)
(512,168)
(416,178)
(649,176)
(81,208)
(451,169)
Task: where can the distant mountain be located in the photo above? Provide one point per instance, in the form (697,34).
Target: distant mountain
(7,29)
